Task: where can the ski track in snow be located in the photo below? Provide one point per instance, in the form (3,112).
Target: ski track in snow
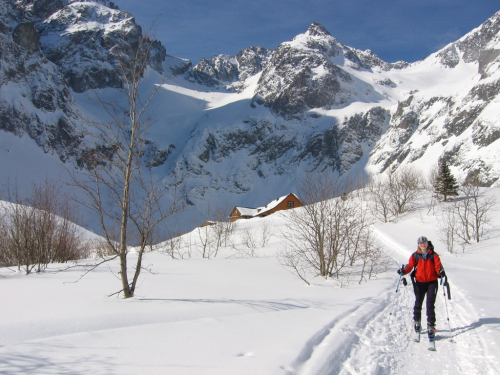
(368,340)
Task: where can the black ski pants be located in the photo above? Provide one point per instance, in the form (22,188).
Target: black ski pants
(421,290)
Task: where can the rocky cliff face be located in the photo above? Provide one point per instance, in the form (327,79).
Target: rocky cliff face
(462,124)
(34,98)
(79,36)
(50,48)
(230,71)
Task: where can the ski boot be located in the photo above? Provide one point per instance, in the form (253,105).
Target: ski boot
(417,327)
(431,333)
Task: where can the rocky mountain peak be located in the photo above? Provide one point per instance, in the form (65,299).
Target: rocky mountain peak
(476,46)
(316,29)
(79,37)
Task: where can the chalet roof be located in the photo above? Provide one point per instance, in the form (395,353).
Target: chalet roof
(274,203)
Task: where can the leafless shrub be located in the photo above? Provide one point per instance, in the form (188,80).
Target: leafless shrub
(395,192)
(249,239)
(172,245)
(102,249)
(290,258)
(405,186)
(206,243)
(374,259)
(447,227)
(186,247)
(380,199)
(480,206)
(40,229)
(328,234)
(465,219)
(266,232)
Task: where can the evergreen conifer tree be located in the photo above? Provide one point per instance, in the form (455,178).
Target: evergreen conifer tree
(446,184)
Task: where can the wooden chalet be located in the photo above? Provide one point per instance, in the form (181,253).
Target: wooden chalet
(283,203)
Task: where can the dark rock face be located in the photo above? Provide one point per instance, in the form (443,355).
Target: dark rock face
(361,128)
(297,76)
(219,70)
(50,47)
(41,104)
(487,57)
(285,148)
(472,45)
(79,37)
(251,61)
(84,53)
(229,71)
(26,36)
(449,57)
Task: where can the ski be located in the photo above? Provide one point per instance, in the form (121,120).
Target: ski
(431,332)
(416,336)
(416,333)
(432,345)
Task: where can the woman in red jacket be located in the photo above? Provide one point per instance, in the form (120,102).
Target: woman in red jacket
(428,269)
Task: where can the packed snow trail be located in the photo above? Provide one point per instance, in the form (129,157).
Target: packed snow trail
(374,342)
(389,349)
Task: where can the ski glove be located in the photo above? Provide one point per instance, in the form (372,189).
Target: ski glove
(401,271)
(442,273)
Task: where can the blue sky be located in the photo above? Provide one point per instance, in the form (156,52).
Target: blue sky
(394,30)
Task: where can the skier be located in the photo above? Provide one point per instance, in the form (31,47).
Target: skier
(428,270)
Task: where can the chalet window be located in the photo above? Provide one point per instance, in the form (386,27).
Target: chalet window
(290,204)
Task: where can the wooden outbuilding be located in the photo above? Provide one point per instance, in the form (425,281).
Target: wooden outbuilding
(207,223)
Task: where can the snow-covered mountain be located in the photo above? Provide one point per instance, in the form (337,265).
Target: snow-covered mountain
(243,128)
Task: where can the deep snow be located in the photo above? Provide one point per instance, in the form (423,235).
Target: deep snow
(248,315)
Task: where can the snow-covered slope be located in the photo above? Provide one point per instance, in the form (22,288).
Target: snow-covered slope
(241,315)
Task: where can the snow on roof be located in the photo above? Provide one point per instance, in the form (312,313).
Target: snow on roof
(246,211)
(272,204)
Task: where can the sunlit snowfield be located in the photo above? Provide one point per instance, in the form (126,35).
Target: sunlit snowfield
(239,314)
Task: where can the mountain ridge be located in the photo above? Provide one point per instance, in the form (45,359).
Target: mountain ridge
(247,126)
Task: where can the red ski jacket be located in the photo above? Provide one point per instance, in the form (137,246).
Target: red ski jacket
(427,269)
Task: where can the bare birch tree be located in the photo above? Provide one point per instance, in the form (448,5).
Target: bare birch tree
(115,175)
